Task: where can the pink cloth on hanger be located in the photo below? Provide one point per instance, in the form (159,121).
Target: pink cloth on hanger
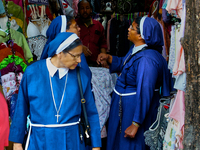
(174,5)
(108,35)
(179,66)
(75,6)
(178,112)
(4,122)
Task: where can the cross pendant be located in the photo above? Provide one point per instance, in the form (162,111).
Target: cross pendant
(57,116)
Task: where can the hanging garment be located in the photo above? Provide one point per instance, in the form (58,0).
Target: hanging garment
(10,59)
(36,45)
(172,49)
(8,51)
(174,7)
(102,86)
(20,40)
(2,10)
(10,85)
(4,119)
(172,131)
(15,10)
(33,30)
(119,43)
(11,67)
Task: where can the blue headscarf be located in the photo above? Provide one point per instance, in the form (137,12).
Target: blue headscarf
(58,25)
(61,42)
(151,32)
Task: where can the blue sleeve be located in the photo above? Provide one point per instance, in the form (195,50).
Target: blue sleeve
(146,78)
(116,65)
(118,62)
(18,126)
(93,117)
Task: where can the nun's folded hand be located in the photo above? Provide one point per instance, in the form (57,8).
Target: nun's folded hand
(86,51)
(131,131)
(17,146)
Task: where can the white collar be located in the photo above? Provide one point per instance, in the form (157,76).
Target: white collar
(52,69)
(138,48)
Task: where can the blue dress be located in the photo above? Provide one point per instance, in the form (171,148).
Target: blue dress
(35,98)
(145,72)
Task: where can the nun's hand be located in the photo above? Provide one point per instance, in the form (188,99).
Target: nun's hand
(96,148)
(102,58)
(86,51)
(17,146)
(131,131)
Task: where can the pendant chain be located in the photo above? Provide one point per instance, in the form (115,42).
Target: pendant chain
(58,110)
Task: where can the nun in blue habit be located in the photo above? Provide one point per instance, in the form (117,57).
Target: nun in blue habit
(53,101)
(135,99)
(59,25)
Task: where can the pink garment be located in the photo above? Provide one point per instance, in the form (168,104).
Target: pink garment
(175,5)
(108,35)
(179,66)
(4,122)
(75,6)
(178,112)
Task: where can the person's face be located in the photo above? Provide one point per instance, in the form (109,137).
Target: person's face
(132,32)
(85,9)
(74,28)
(71,58)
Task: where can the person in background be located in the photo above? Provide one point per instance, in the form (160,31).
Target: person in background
(66,24)
(52,99)
(4,122)
(92,33)
(135,99)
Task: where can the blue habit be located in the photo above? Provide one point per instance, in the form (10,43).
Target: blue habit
(145,72)
(35,98)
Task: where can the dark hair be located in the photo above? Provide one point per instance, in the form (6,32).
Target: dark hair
(69,21)
(137,21)
(85,1)
(74,44)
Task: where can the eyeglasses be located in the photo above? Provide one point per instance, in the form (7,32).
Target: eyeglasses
(131,27)
(75,56)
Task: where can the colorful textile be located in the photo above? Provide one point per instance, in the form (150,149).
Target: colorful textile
(11,67)
(10,85)
(36,45)
(19,39)
(17,60)
(174,7)
(102,86)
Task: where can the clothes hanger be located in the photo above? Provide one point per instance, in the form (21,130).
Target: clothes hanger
(155,6)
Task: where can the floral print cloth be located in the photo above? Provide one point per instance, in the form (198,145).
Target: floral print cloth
(103,84)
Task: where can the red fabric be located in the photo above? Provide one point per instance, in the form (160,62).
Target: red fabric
(93,37)
(4,122)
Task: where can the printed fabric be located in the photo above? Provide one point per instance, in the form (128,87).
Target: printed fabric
(103,86)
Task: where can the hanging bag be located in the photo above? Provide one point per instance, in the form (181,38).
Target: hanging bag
(155,135)
(84,127)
